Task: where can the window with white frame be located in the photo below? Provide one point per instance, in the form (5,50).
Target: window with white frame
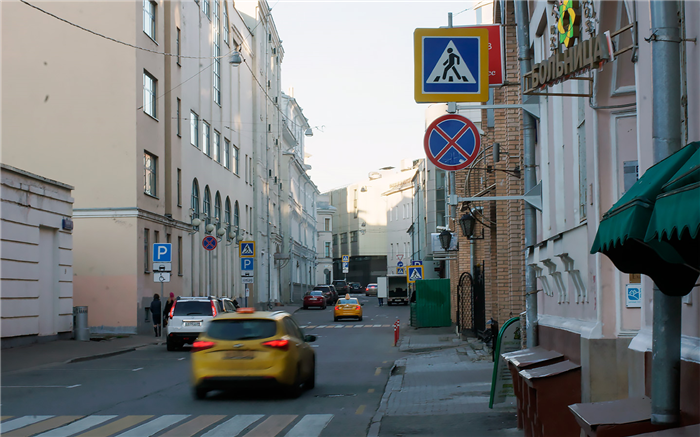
(149,174)
(226,23)
(206,138)
(353,236)
(235,159)
(217,146)
(227,154)
(149,18)
(179,116)
(194,129)
(205,8)
(217,53)
(327,224)
(150,85)
(327,249)
(177,45)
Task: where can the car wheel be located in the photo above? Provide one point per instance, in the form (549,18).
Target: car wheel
(323,307)
(297,387)
(170,345)
(311,382)
(305,307)
(359,319)
(200,393)
(335,319)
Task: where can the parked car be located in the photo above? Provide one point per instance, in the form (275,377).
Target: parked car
(335,294)
(189,317)
(355,287)
(314,299)
(251,347)
(371,290)
(341,286)
(327,293)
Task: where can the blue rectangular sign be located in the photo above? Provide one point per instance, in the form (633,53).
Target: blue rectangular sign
(162,253)
(247,264)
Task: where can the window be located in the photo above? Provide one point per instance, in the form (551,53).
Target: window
(235,160)
(149,19)
(227,215)
(236,218)
(327,225)
(194,129)
(156,237)
(226,24)
(150,85)
(177,44)
(327,249)
(343,238)
(246,169)
(146,257)
(217,53)
(194,202)
(179,256)
(206,140)
(206,204)
(167,238)
(335,239)
(177,110)
(353,237)
(217,146)
(149,174)
(217,209)
(179,187)
(205,8)
(227,154)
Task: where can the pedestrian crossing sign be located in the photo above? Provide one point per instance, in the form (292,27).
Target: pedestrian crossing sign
(451,65)
(246,249)
(415,273)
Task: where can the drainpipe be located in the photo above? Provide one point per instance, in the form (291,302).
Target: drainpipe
(666,140)
(522,19)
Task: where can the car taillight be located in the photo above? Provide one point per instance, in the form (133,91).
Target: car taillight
(172,310)
(202,345)
(213,309)
(337,307)
(278,344)
(357,307)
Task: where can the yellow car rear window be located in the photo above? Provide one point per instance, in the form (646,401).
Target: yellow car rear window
(250,329)
(347,301)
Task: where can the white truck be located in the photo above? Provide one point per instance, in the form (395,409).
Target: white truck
(393,288)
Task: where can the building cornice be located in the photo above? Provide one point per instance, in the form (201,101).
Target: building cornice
(129,212)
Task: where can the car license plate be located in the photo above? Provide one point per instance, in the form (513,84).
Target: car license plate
(196,323)
(239,355)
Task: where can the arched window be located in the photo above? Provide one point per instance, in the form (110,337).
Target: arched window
(227,215)
(194,203)
(217,209)
(206,205)
(236,218)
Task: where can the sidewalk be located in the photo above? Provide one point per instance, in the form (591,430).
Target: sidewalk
(442,387)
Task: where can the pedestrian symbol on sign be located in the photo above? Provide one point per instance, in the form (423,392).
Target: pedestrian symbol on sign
(415,273)
(247,248)
(450,67)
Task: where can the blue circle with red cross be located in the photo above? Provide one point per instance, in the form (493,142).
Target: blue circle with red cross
(452,142)
(209,242)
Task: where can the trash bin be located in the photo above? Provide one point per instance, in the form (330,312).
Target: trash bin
(81,332)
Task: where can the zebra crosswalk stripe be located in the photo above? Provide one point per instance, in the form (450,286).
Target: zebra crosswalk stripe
(310,425)
(234,426)
(155,425)
(271,426)
(44,425)
(78,426)
(116,426)
(20,422)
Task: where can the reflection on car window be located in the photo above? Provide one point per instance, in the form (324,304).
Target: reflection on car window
(190,308)
(222,329)
(316,293)
(347,301)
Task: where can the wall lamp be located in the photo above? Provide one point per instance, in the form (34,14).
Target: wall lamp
(235,60)
(445,239)
(467,223)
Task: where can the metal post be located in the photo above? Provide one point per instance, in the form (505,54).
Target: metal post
(666,138)
(522,19)
(210,274)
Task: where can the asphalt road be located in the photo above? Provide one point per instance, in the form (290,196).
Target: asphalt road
(353,365)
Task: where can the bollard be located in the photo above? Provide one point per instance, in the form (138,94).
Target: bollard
(80,323)
(396,332)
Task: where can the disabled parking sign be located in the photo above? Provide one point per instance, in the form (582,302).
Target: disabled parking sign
(451,65)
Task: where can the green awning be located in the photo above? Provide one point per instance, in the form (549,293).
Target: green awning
(622,234)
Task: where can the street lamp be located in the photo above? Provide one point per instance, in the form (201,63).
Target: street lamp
(445,239)
(466,222)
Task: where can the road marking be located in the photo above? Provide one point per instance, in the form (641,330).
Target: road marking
(360,409)
(42,426)
(311,327)
(349,326)
(310,425)
(384,362)
(386,326)
(321,326)
(378,326)
(234,426)
(271,426)
(77,426)
(378,371)
(368,326)
(5,417)
(116,426)
(40,386)
(180,359)
(339,326)
(193,426)
(314,345)
(371,390)
(137,369)
(359,326)
(155,425)
(20,422)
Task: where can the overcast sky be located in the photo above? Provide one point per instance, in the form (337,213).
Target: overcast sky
(351,66)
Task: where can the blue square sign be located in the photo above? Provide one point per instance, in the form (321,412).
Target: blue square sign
(162,253)
(247,264)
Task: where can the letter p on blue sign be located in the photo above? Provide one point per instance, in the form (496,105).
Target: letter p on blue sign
(162,253)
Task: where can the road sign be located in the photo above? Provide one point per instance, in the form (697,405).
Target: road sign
(415,273)
(399,264)
(247,280)
(495,52)
(452,142)
(417,263)
(162,253)
(247,264)
(346,258)
(451,65)
(400,271)
(161,277)
(246,248)
(209,242)
(399,256)
(162,267)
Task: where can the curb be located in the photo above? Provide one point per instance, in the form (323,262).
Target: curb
(109,354)
(393,384)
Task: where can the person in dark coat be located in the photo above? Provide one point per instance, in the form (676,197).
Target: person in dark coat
(155,312)
(166,310)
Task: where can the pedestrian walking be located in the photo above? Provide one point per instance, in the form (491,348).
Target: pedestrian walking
(166,311)
(381,301)
(155,312)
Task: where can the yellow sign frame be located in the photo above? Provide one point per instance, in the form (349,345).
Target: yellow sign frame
(408,269)
(423,97)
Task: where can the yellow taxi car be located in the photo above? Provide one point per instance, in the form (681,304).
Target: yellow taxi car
(253,348)
(347,307)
